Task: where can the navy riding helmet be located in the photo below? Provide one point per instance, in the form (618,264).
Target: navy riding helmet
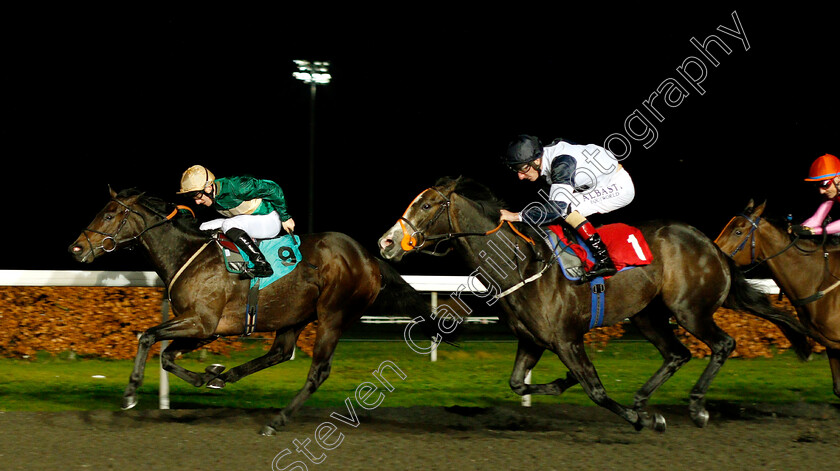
(522,151)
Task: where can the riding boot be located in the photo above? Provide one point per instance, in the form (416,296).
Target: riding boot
(604,265)
(242,240)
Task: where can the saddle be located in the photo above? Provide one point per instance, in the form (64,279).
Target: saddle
(283,253)
(627,248)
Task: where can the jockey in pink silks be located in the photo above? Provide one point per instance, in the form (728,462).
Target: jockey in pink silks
(825,173)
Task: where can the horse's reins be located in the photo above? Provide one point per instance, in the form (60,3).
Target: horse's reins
(128,210)
(409,241)
(755,262)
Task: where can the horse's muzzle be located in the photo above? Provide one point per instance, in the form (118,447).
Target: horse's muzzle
(388,248)
(81,251)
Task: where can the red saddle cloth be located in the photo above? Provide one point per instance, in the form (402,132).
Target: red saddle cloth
(626,245)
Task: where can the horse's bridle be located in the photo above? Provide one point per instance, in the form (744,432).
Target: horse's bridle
(125,215)
(409,241)
(749,237)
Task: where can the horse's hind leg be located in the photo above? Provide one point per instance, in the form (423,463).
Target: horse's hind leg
(704,328)
(281,350)
(573,355)
(527,356)
(322,354)
(653,324)
(167,360)
(834,363)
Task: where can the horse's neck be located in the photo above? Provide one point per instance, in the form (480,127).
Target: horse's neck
(169,248)
(501,256)
(797,273)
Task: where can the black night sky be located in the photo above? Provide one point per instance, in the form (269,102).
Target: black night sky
(133,98)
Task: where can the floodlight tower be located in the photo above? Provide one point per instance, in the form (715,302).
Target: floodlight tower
(313,73)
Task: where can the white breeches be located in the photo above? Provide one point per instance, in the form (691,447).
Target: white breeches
(610,194)
(262,226)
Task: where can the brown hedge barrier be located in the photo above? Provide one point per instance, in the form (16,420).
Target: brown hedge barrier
(105,321)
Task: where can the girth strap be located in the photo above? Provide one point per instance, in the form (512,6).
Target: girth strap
(251,307)
(184,267)
(596,319)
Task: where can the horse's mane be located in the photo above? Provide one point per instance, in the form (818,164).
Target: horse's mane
(489,203)
(162,208)
(807,242)
(477,192)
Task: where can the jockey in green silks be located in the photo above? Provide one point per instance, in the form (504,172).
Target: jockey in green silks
(252,209)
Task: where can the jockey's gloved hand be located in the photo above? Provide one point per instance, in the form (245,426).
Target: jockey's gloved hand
(796,229)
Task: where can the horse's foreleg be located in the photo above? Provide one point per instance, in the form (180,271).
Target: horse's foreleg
(527,356)
(171,329)
(654,326)
(834,363)
(322,355)
(281,350)
(573,355)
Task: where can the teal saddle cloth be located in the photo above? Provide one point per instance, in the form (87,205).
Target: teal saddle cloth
(283,253)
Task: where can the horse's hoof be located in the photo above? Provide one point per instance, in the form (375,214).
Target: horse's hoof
(268,431)
(701,419)
(659,424)
(129,402)
(215,369)
(216,383)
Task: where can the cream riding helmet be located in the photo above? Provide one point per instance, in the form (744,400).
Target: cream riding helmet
(195,179)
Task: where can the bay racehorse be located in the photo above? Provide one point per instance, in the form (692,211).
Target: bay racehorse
(336,283)
(806,271)
(689,277)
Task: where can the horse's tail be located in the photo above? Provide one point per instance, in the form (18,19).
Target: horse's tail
(398,298)
(744,297)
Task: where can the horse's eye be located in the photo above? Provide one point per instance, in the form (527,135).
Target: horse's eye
(109,217)
(427,206)
(738,232)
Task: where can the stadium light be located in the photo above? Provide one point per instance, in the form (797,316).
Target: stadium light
(313,73)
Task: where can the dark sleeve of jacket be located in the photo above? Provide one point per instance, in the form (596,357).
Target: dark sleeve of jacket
(546,212)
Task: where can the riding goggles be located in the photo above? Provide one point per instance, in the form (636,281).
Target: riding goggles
(198,194)
(824,183)
(522,167)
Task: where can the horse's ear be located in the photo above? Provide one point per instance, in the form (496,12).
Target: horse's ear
(453,182)
(112,192)
(759,209)
(748,209)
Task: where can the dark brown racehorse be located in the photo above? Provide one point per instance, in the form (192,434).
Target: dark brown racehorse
(806,271)
(689,277)
(336,283)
